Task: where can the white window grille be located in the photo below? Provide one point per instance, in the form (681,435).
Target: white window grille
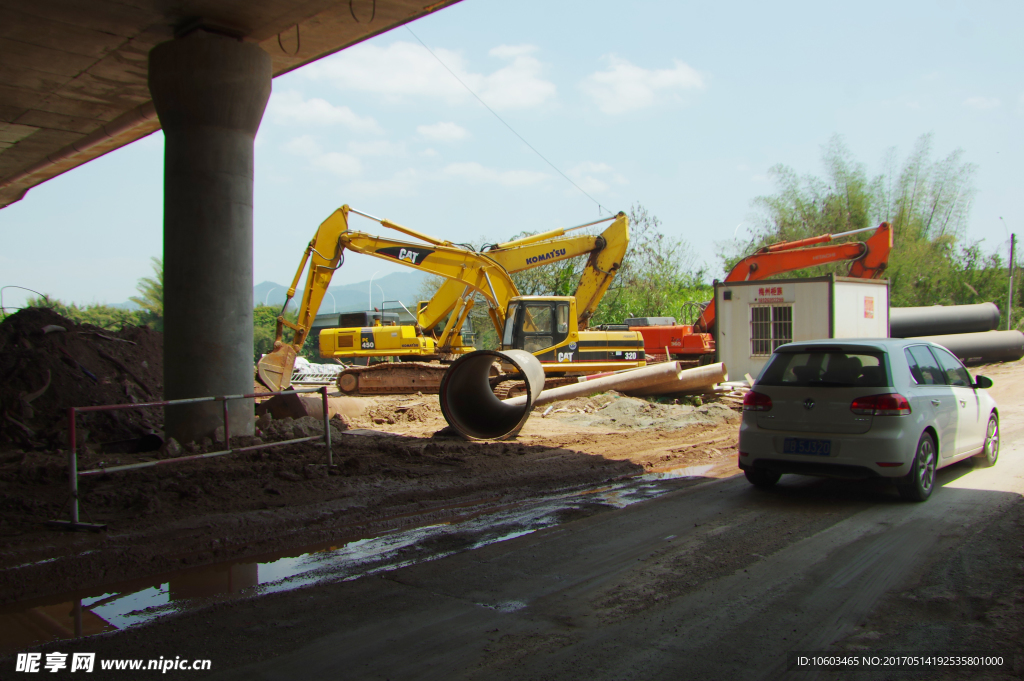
(770,327)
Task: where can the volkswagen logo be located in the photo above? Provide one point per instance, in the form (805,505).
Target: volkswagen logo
(809,403)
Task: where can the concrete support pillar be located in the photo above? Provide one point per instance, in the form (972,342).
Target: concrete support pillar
(210,92)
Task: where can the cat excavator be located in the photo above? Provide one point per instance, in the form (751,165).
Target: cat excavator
(552,327)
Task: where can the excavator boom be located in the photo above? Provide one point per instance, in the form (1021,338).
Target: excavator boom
(605,252)
(869,258)
(461,267)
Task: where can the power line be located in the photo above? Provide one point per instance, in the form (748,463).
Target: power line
(503,122)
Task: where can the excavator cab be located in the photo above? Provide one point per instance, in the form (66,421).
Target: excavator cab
(548,328)
(538,324)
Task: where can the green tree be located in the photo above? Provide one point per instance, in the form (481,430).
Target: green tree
(151,296)
(103,316)
(264,324)
(927,202)
(659,275)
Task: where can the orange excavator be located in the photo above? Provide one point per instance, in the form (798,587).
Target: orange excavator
(869,259)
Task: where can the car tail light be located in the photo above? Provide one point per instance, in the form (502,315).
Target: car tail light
(754,401)
(890,404)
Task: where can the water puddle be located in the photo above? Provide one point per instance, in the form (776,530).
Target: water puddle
(120,606)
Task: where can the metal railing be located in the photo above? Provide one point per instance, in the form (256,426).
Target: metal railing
(74,474)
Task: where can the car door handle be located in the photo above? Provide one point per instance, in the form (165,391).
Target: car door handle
(936,402)
(963,403)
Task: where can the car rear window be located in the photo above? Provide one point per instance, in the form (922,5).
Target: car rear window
(830,368)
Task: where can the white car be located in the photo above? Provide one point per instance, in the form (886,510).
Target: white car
(892,408)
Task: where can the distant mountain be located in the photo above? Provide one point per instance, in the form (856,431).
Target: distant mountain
(397,286)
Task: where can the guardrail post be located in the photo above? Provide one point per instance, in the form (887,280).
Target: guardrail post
(227,431)
(327,427)
(73,465)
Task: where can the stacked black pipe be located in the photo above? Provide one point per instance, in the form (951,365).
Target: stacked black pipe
(968,331)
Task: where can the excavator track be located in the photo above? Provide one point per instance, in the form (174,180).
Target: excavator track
(507,389)
(397,378)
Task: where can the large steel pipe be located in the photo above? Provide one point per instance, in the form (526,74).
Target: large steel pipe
(469,404)
(911,322)
(657,379)
(697,379)
(989,346)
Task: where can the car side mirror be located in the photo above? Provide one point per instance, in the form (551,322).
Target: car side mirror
(982,382)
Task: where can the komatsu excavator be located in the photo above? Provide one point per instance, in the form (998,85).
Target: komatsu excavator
(557,339)
(869,259)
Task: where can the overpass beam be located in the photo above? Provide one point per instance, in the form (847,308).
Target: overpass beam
(210,92)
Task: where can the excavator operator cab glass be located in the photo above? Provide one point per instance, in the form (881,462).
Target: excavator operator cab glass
(562,318)
(510,326)
(538,321)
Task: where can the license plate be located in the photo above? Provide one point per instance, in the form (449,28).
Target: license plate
(799,445)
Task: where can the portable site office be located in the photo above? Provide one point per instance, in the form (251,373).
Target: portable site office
(755,317)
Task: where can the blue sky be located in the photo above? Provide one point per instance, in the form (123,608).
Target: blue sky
(682,107)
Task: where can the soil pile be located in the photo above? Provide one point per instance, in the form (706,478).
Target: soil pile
(49,363)
(614,411)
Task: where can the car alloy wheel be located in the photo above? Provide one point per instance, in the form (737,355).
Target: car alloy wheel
(990,452)
(918,483)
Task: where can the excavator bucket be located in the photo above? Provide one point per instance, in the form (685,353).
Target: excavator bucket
(275,369)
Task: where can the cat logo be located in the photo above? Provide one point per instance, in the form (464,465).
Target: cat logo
(413,256)
(565,356)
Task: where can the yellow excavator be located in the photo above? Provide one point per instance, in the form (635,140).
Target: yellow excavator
(552,327)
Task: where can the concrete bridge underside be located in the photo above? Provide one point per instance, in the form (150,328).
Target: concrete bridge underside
(80,78)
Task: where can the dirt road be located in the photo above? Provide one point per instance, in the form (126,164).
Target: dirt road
(715,580)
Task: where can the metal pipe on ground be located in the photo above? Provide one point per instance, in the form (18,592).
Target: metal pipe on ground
(469,404)
(657,379)
(912,322)
(697,379)
(988,346)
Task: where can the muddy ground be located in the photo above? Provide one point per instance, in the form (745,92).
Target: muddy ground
(392,468)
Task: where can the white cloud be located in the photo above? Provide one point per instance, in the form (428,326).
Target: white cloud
(595,177)
(625,87)
(402,184)
(345,165)
(289,108)
(406,69)
(508,178)
(377,148)
(338,163)
(442,132)
(981,103)
(304,145)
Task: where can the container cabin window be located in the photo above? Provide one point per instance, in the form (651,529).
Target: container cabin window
(770,327)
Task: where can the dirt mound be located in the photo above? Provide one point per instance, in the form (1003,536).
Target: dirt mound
(49,363)
(618,412)
(414,411)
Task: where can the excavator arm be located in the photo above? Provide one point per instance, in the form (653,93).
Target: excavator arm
(869,258)
(466,272)
(606,252)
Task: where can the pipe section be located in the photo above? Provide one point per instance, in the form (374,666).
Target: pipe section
(697,379)
(989,346)
(912,322)
(657,379)
(469,404)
